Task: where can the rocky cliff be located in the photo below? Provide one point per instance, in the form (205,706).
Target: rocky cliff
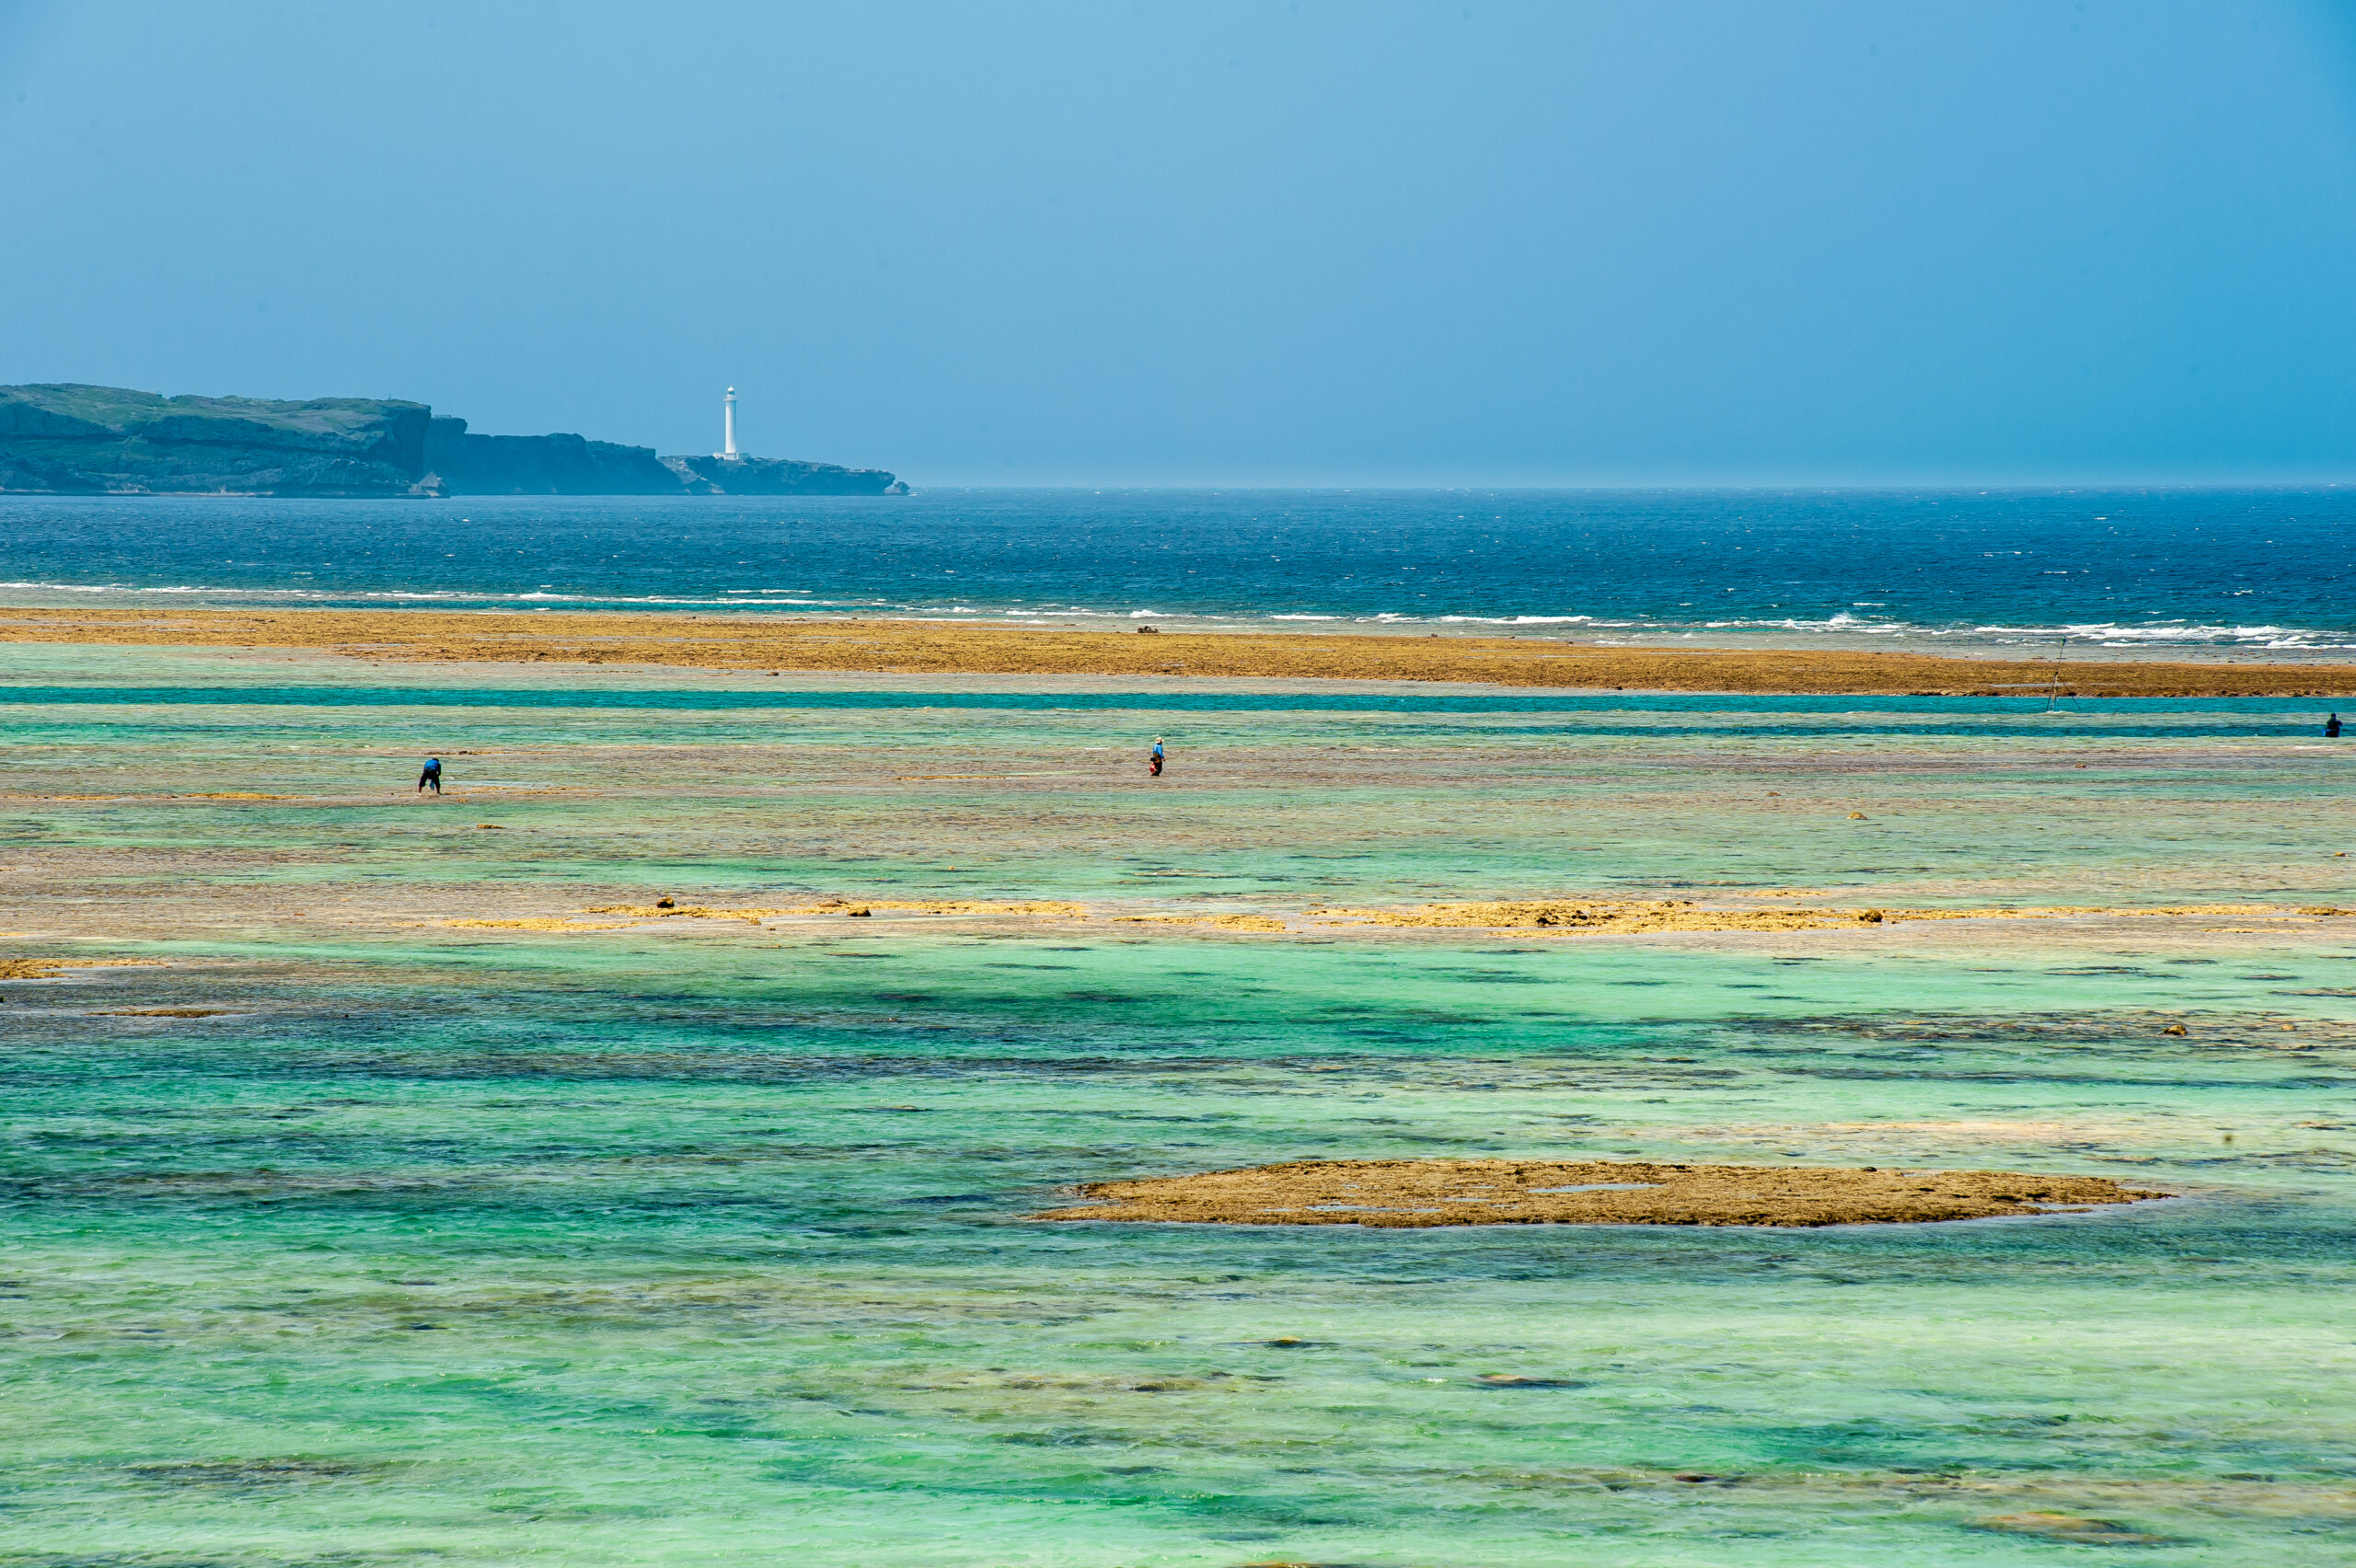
(73,439)
(777,476)
(540,465)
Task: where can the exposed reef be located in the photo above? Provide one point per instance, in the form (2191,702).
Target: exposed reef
(1420,1192)
(1563,917)
(78,440)
(764,644)
(50,968)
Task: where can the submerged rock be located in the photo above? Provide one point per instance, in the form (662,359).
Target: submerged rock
(2068,1527)
(1516,1380)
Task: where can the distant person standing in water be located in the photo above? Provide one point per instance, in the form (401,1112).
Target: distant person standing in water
(432,776)
(1153,761)
(2331,728)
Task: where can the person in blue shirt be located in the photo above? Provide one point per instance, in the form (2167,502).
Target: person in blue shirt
(1153,762)
(431,776)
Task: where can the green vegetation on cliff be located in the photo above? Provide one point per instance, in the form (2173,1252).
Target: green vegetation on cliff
(105,440)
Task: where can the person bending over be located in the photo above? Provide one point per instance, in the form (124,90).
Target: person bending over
(431,779)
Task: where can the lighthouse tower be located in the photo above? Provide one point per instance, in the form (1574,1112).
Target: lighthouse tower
(728,427)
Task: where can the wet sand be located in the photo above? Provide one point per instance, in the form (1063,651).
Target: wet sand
(1413,1193)
(774,644)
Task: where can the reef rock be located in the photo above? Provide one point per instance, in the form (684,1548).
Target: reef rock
(778,476)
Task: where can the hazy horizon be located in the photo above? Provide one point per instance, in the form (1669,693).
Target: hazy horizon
(1298,245)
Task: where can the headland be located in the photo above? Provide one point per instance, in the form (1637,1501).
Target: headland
(69,439)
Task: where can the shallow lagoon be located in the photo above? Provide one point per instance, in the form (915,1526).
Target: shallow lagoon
(705,1245)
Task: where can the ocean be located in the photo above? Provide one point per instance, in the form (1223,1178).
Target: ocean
(1962,570)
(370,1198)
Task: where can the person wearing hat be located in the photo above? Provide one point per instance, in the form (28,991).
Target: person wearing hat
(1153,761)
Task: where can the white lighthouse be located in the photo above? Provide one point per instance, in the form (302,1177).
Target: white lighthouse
(728,426)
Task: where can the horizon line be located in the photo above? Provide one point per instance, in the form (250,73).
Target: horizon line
(1989,486)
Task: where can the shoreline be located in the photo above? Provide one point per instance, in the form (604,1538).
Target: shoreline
(767,644)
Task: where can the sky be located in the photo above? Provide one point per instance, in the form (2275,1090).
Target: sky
(1207,242)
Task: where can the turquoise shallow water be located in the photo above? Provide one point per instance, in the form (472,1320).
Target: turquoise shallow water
(1032,789)
(705,1246)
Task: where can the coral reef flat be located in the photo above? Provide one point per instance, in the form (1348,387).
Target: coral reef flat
(630,1154)
(1413,1193)
(799,644)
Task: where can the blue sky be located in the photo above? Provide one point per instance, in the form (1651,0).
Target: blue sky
(1300,241)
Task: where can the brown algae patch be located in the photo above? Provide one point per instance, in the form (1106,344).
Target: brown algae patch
(1685,915)
(668,910)
(1217,922)
(664,909)
(1554,916)
(770,643)
(50,968)
(1419,1193)
(1602,915)
(165,1012)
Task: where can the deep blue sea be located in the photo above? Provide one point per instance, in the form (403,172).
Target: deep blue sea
(2162,569)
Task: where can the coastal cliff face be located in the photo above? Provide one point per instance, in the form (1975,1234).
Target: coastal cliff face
(540,465)
(69,439)
(777,476)
(78,440)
